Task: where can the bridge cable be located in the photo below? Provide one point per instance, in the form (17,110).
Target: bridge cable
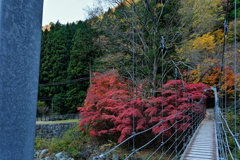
(162,82)
(176,75)
(224,147)
(133,77)
(235,73)
(223,70)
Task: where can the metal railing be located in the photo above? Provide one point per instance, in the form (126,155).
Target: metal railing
(225,134)
(177,140)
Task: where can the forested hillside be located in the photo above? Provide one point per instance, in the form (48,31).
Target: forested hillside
(67,54)
(148,42)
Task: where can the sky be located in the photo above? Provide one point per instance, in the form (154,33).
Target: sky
(64,11)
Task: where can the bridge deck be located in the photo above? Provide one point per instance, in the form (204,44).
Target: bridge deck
(203,144)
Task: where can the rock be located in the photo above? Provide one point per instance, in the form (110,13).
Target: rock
(63,156)
(40,155)
(59,155)
(43,153)
(36,154)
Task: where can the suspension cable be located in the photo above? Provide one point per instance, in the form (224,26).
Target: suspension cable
(223,71)
(162,80)
(133,76)
(235,73)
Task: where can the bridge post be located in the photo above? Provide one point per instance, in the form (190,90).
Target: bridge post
(215,95)
(20,36)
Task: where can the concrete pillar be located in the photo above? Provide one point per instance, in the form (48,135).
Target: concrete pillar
(20,36)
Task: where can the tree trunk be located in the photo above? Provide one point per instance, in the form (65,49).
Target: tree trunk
(90,73)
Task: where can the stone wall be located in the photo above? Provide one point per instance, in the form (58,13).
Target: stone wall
(53,130)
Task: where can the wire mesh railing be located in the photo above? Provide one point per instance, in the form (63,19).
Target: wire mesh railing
(171,147)
(228,141)
(224,136)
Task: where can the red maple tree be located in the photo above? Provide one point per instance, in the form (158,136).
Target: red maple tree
(107,90)
(112,107)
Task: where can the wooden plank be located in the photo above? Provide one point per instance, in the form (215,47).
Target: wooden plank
(203,144)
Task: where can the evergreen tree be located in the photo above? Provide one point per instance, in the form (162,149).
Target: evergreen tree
(67,55)
(55,55)
(82,57)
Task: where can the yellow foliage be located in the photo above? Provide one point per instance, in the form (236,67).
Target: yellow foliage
(129,2)
(201,14)
(206,42)
(231,32)
(101,16)
(202,47)
(218,36)
(159,5)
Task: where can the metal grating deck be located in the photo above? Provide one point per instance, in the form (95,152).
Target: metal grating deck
(203,144)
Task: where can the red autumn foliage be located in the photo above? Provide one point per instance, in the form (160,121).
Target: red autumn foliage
(110,107)
(103,102)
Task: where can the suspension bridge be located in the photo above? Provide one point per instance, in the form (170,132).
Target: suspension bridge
(209,140)
(211,137)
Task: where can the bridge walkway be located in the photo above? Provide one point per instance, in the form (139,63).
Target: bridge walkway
(203,145)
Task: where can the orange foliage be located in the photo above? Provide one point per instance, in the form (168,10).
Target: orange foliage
(209,72)
(46,27)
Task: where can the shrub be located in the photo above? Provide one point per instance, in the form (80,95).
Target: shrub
(72,142)
(110,106)
(42,108)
